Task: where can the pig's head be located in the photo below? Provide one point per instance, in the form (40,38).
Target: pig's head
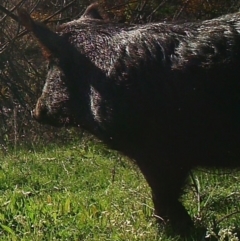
(64,98)
(53,106)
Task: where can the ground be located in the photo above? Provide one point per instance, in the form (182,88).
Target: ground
(83,191)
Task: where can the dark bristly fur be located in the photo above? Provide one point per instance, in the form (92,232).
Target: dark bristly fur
(165,95)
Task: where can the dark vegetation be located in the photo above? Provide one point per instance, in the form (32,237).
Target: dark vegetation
(22,67)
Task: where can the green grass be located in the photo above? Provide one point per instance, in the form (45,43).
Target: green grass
(86,192)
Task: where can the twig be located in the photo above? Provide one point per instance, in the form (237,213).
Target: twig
(8,13)
(57,12)
(23,32)
(197,188)
(177,14)
(155,10)
(227,216)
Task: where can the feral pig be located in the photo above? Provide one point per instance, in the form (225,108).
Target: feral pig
(166,95)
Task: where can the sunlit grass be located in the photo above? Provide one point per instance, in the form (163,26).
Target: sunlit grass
(86,192)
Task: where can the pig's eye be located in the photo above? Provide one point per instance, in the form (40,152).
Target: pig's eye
(52,62)
(48,66)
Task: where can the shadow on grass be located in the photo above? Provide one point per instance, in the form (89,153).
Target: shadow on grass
(194,234)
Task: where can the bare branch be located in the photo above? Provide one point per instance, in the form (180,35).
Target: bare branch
(58,12)
(156,9)
(8,13)
(23,32)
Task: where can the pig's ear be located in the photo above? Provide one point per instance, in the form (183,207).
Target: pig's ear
(92,12)
(52,44)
